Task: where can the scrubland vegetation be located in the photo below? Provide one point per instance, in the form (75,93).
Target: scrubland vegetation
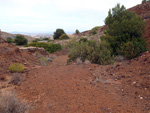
(123,37)
(50,47)
(17,67)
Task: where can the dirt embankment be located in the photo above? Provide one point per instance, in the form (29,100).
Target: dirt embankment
(10,54)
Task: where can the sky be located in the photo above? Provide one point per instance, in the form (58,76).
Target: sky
(45,16)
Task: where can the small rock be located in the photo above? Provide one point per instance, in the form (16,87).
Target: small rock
(133,83)
(141,98)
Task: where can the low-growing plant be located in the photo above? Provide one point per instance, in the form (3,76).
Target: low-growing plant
(9,40)
(92,51)
(36,40)
(64,36)
(83,40)
(17,67)
(16,79)
(77,31)
(20,40)
(94,30)
(9,103)
(132,49)
(46,38)
(50,47)
(44,61)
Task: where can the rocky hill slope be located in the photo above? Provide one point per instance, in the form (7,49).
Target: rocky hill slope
(5,35)
(10,54)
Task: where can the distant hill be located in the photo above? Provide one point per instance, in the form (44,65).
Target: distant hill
(5,35)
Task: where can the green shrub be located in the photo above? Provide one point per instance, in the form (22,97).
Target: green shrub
(58,33)
(64,36)
(43,61)
(132,49)
(144,1)
(51,48)
(124,27)
(91,50)
(94,30)
(36,40)
(83,40)
(46,38)
(77,31)
(17,67)
(9,40)
(20,40)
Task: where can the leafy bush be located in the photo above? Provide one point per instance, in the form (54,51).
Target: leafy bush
(36,40)
(58,33)
(20,40)
(51,48)
(144,1)
(132,49)
(94,30)
(64,36)
(46,38)
(124,27)
(9,40)
(83,40)
(44,61)
(9,103)
(77,31)
(98,53)
(17,67)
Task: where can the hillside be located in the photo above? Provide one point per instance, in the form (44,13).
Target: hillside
(5,35)
(10,54)
(143,10)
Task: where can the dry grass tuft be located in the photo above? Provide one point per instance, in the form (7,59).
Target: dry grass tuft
(9,103)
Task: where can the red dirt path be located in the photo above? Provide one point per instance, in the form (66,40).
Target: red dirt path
(61,88)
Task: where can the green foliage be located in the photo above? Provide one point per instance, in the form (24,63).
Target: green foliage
(64,36)
(123,27)
(17,67)
(36,40)
(43,61)
(94,30)
(133,48)
(58,33)
(77,31)
(46,38)
(144,1)
(51,48)
(98,53)
(20,40)
(9,40)
(83,40)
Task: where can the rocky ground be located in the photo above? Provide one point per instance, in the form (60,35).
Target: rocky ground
(77,88)
(123,87)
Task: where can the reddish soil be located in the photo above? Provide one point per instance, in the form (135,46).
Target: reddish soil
(10,54)
(77,88)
